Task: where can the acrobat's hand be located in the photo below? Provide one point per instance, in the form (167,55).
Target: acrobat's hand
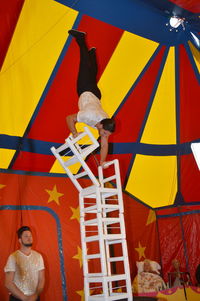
(76,134)
(103,164)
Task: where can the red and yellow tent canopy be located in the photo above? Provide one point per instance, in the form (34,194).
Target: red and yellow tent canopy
(149,78)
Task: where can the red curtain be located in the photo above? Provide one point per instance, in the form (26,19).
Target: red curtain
(179,234)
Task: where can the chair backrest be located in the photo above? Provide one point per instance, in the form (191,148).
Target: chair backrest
(73,152)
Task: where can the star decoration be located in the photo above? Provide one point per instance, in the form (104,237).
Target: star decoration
(76,213)
(140,251)
(79,256)
(54,195)
(151,217)
(81,293)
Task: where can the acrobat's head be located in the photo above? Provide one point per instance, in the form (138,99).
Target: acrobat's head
(107,126)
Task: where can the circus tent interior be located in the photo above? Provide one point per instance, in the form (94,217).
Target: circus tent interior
(148,73)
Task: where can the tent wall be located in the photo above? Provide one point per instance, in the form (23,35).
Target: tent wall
(49,205)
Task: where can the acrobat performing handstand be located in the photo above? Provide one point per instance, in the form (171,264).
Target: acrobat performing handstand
(90,109)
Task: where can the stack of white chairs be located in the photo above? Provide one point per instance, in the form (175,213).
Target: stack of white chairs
(103,237)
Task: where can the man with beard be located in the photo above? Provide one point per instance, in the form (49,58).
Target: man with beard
(24,270)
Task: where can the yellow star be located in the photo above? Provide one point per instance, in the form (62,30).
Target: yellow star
(81,293)
(76,213)
(140,250)
(151,217)
(79,257)
(54,195)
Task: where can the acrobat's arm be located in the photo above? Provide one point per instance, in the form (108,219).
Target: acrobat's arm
(71,123)
(103,150)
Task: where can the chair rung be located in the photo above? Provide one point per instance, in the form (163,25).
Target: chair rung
(81,174)
(114,236)
(105,220)
(109,179)
(92,256)
(89,191)
(71,161)
(59,149)
(105,192)
(92,278)
(90,208)
(105,237)
(91,222)
(114,259)
(91,238)
(88,150)
(111,207)
(117,296)
(94,275)
(111,220)
(112,242)
(107,208)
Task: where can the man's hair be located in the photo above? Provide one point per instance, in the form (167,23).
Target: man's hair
(21,230)
(108,124)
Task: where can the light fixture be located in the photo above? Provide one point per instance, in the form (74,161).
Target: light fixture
(175,22)
(196,152)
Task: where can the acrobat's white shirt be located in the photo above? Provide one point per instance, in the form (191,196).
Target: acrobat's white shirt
(90,109)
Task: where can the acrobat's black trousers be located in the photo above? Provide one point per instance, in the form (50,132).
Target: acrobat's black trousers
(87,70)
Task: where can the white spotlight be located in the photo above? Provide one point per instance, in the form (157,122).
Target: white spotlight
(175,22)
(196,152)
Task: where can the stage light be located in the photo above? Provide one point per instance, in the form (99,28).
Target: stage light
(196,152)
(175,22)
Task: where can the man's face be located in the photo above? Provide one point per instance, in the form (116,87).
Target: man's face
(26,239)
(104,133)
